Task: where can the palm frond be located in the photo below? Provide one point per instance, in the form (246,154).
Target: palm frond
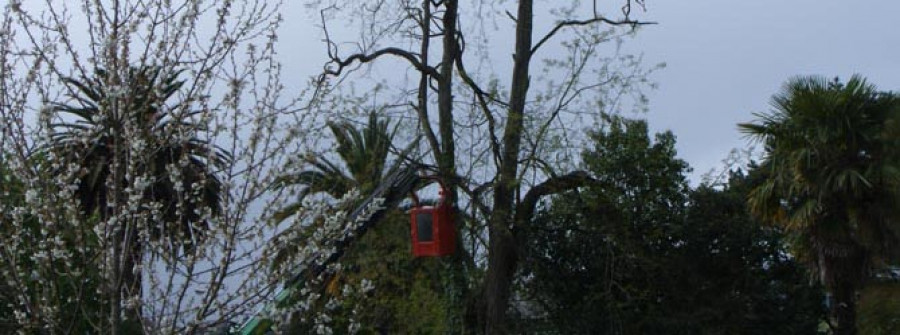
(832,170)
(147,89)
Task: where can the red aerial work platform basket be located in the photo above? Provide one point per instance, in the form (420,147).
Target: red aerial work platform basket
(432,228)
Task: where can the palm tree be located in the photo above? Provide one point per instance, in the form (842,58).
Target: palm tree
(364,153)
(382,254)
(101,124)
(832,181)
(164,133)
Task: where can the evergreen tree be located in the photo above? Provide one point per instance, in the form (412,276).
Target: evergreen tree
(832,181)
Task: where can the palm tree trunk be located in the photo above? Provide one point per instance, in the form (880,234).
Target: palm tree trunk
(843,309)
(844,266)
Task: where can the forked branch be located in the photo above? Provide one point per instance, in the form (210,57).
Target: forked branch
(341,64)
(336,64)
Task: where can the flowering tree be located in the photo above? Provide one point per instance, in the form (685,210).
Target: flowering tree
(123,122)
(178,162)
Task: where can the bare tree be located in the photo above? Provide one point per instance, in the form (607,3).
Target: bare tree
(499,147)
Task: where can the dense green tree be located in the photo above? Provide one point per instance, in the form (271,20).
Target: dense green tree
(595,259)
(733,275)
(641,253)
(832,181)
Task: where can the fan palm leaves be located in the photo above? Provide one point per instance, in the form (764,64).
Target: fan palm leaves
(104,122)
(832,180)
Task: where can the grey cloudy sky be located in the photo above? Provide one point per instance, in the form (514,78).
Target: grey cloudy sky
(725,59)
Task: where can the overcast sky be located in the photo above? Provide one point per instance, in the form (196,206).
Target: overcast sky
(725,59)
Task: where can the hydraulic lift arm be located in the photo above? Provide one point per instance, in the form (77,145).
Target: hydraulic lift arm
(392,190)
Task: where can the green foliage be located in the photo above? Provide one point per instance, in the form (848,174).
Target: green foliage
(595,262)
(832,180)
(408,295)
(879,309)
(640,253)
(737,274)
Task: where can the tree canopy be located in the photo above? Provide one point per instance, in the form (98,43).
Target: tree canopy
(832,180)
(157,176)
(644,253)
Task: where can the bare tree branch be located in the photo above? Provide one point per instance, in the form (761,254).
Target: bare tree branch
(571,23)
(422,108)
(365,58)
(362,57)
(482,97)
(553,185)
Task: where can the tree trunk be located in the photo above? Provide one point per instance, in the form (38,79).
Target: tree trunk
(132,284)
(844,265)
(502,261)
(446,156)
(502,256)
(843,309)
(446,160)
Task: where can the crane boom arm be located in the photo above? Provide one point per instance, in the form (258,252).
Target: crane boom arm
(392,190)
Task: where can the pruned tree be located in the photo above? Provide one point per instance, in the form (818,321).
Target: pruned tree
(500,147)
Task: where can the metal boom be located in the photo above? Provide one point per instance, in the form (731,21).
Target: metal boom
(394,188)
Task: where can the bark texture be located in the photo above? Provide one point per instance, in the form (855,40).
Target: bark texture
(502,256)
